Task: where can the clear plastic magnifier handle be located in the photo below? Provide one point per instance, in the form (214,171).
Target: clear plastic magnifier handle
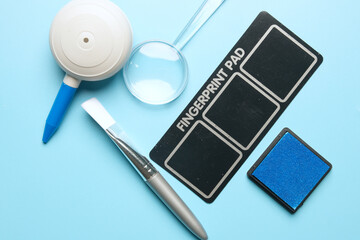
(207,8)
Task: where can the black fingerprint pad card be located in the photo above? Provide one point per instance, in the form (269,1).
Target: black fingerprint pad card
(236,107)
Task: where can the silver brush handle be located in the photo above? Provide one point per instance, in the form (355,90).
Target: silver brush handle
(157,183)
(170,198)
(138,161)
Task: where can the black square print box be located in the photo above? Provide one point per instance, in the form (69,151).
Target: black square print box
(236,107)
(275,57)
(202,147)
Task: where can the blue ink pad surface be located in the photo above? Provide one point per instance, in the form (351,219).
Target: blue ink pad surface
(289,170)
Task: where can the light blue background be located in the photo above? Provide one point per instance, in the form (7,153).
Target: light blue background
(79,186)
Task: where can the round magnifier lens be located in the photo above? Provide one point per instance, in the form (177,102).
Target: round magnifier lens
(156,72)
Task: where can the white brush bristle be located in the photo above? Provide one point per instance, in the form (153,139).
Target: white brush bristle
(97,111)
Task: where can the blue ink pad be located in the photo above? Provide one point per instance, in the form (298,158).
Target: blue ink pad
(289,170)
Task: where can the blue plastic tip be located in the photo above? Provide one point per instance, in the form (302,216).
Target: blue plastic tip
(58,110)
(48,132)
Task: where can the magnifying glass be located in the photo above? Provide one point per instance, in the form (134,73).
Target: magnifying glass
(157,72)
(90,40)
